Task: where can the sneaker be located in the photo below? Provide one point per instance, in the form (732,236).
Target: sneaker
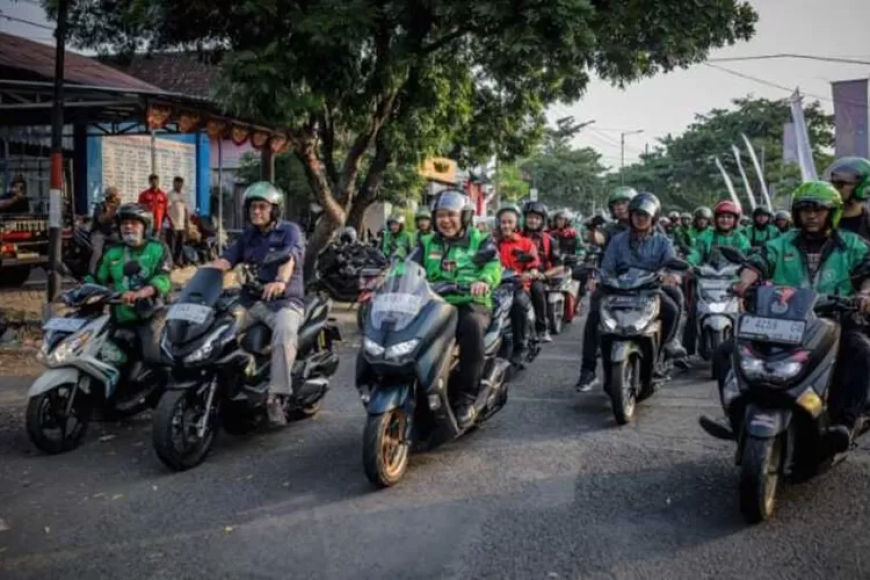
(545,336)
(675,350)
(586,381)
(275,412)
(840,438)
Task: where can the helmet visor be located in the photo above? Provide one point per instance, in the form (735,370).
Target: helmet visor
(646,206)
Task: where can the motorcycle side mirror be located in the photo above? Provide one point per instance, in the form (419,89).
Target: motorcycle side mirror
(523,257)
(677,265)
(132,268)
(732,254)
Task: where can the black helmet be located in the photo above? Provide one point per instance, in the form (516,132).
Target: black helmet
(647,203)
(140,213)
(454,200)
(537,208)
(760,210)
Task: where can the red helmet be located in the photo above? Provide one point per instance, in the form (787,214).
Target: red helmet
(727,206)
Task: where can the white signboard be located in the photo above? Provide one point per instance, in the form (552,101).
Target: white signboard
(127,165)
(533,194)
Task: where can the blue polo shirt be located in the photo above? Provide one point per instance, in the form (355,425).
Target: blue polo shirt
(253,246)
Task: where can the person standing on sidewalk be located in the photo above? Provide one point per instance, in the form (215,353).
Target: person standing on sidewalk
(179,218)
(155,200)
(104,227)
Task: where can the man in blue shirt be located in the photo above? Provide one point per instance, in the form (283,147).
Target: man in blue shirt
(282,303)
(643,246)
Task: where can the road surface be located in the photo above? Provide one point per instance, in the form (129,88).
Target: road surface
(550,488)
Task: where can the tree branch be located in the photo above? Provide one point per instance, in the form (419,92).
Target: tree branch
(327,137)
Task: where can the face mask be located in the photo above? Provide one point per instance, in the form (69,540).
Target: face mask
(132,239)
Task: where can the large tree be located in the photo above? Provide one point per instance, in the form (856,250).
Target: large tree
(339,74)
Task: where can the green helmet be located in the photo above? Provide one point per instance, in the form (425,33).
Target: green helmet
(396,218)
(140,213)
(265,191)
(622,193)
(851,170)
(423,214)
(509,207)
(685,216)
(703,211)
(817,194)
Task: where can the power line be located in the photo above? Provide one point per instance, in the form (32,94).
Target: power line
(790,55)
(25,21)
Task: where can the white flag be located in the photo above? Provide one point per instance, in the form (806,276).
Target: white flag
(802,136)
(758,172)
(736,152)
(729,184)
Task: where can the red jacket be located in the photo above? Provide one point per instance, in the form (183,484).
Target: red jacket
(509,247)
(156,201)
(546,251)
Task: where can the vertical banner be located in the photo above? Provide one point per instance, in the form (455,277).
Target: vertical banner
(758,171)
(851,118)
(804,149)
(745,179)
(729,184)
(789,145)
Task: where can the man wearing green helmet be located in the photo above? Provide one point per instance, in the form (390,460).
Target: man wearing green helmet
(851,177)
(819,255)
(397,242)
(150,283)
(282,304)
(762,229)
(423,221)
(702,218)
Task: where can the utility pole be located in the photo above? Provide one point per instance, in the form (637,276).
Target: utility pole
(55,204)
(622,152)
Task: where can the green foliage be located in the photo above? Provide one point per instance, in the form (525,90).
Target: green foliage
(511,185)
(289,176)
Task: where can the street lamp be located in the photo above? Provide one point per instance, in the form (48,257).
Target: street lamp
(622,151)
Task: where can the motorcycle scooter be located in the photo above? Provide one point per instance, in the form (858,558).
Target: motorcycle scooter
(404,370)
(716,309)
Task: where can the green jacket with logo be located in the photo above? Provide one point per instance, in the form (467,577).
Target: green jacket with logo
(783,261)
(452,261)
(155,263)
(759,237)
(397,244)
(710,239)
(693,233)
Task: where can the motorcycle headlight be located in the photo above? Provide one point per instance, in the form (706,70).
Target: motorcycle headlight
(401,349)
(69,348)
(372,348)
(213,341)
(756,369)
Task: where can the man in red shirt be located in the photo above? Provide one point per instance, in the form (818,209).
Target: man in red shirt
(520,254)
(155,200)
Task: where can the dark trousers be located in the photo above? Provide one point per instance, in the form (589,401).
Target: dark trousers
(847,396)
(470,330)
(539,302)
(690,334)
(175,240)
(671,305)
(519,319)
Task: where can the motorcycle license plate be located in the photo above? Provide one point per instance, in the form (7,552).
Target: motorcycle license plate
(65,324)
(623,301)
(402,303)
(195,313)
(772,329)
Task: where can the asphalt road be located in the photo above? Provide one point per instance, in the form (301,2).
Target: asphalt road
(550,488)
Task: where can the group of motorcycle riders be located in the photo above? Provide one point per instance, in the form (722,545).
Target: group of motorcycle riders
(820,243)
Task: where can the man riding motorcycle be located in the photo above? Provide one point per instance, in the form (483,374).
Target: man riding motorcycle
(818,254)
(682,238)
(782,221)
(449,256)
(397,242)
(617,203)
(142,290)
(534,217)
(851,177)
(282,304)
(423,221)
(565,234)
(642,245)
(702,217)
(761,231)
(511,245)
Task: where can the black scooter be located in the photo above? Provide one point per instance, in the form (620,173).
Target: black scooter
(220,375)
(404,371)
(775,395)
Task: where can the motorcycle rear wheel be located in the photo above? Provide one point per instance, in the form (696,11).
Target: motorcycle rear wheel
(385,453)
(759,478)
(624,386)
(174,435)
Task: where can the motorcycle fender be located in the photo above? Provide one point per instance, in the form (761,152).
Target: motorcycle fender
(388,398)
(766,423)
(52,378)
(717,322)
(620,350)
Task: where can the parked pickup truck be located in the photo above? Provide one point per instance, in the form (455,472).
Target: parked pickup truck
(23,246)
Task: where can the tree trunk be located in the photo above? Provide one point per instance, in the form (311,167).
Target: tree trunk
(368,193)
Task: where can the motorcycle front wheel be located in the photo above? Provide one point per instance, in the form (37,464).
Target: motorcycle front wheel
(385,450)
(759,478)
(624,386)
(57,420)
(178,435)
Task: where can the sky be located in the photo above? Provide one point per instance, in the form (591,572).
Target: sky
(668,103)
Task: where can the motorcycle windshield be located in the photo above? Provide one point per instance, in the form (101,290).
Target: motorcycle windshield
(401,297)
(784,302)
(630,279)
(190,316)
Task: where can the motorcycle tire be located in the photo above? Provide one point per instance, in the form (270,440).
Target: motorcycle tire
(385,455)
(303,413)
(759,478)
(714,340)
(556,319)
(37,422)
(624,386)
(163,430)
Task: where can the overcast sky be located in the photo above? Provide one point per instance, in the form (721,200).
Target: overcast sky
(667,103)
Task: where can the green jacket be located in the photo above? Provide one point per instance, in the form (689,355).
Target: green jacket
(759,237)
(434,253)
(417,237)
(709,240)
(397,244)
(156,266)
(783,261)
(693,233)
(682,238)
